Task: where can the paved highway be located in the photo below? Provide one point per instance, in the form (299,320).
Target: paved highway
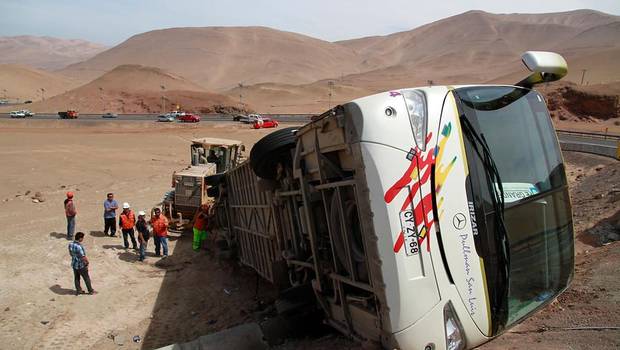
(585,139)
(283,118)
(573,141)
(600,144)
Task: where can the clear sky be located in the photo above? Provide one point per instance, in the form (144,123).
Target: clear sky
(112,21)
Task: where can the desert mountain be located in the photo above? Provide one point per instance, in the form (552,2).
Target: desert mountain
(477,46)
(134,89)
(25,83)
(285,72)
(219,58)
(473,47)
(46,52)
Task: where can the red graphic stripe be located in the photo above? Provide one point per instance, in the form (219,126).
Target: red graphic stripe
(393,191)
(400,241)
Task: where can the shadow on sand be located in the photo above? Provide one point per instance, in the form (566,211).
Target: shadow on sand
(58,235)
(129,256)
(200,295)
(97,233)
(112,246)
(57,289)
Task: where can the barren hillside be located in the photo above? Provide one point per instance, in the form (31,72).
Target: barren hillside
(134,89)
(219,58)
(477,46)
(25,83)
(46,52)
(473,47)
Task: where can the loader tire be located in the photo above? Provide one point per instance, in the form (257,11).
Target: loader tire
(270,150)
(214,180)
(213,192)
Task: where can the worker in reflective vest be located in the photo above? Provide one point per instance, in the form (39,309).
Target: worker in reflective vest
(201,222)
(127,221)
(160,232)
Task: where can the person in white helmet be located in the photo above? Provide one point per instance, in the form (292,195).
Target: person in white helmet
(127,221)
(142,226)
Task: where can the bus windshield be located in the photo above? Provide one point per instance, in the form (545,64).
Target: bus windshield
(525,227)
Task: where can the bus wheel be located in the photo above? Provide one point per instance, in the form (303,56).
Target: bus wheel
(272,150)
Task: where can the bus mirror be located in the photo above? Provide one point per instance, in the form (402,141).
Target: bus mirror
(546,67)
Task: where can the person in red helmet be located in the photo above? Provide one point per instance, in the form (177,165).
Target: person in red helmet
(70,213)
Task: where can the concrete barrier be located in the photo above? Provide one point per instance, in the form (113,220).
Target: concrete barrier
(600,144)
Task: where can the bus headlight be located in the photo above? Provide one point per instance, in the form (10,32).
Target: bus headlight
(416,107)
(455,338)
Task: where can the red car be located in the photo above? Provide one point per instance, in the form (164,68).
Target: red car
(189,118)
(265,123)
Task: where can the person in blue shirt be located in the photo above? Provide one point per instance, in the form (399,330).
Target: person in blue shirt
(109,215)
(79,263)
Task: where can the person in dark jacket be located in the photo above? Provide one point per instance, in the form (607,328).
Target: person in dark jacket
(142,227)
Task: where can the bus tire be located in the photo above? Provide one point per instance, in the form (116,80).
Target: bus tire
(270,150)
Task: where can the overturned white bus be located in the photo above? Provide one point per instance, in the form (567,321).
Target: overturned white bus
(425,218)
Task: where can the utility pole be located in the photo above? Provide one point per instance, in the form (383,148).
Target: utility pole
(42,94)
(240,95)
(101,97)
(163,99)
(330,88)
(583,74)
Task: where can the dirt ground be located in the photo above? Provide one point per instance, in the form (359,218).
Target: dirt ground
(192,294)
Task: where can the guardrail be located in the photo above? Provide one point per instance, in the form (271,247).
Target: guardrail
(595,135)
(587,142)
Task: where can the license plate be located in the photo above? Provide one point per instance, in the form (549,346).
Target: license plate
(410,231)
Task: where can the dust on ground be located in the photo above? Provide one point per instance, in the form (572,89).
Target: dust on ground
(192,294)
(162,301)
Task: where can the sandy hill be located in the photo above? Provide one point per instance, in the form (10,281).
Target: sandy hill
(134,89)
(473,47)
(477,46)
(46,52)
(221,57)
(25,83)
(306,98)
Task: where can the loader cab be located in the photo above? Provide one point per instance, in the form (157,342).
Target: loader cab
(224,154)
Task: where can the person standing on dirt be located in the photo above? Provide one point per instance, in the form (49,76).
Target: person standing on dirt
(109,215)
(200,226)
(160,232)
(127,221)
(143,234)
(79,263)
(70,213)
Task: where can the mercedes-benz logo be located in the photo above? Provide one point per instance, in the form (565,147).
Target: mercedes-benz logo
(459,221)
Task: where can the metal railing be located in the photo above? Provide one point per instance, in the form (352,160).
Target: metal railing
(607,145)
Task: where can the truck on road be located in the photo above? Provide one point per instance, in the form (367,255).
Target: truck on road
(69,114)
(423,218)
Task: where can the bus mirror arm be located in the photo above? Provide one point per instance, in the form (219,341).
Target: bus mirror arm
(545,67)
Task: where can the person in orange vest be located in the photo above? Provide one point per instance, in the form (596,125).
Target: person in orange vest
(201,222)
(70,213)
(160,232)
(127,220)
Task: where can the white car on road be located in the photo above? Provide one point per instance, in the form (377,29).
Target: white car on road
(17,114)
